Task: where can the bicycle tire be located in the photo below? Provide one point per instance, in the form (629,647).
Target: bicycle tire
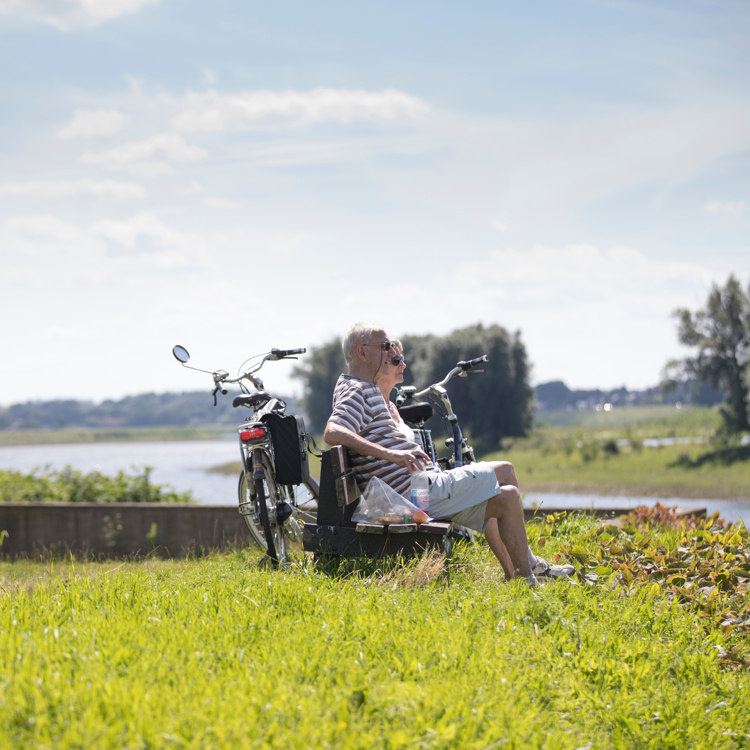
(261,528)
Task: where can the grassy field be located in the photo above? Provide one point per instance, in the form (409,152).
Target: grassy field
(584,456)
(219,653)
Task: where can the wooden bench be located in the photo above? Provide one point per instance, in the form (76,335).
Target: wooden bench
(335,533)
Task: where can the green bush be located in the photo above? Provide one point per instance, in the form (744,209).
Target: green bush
(69,485)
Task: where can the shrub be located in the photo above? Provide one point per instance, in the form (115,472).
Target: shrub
(69,485)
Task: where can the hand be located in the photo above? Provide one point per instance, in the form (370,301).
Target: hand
(414,460)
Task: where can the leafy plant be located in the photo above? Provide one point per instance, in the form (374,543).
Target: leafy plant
(69,485)
(703,566)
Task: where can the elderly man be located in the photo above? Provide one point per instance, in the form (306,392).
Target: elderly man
(483,496)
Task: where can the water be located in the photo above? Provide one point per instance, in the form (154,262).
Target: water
(184,465)
(731,510)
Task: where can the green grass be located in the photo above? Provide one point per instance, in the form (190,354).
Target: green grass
(583,457)
(220,653)
(657,420)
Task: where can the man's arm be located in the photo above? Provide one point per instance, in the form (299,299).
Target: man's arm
(337,434)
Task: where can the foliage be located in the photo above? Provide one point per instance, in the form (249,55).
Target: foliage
(721,333)
(661,516)
(490,406)
(322,368)
(220,653)
(69,485)
(704,567)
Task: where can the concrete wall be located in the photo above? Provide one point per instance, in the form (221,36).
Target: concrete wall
(119,529)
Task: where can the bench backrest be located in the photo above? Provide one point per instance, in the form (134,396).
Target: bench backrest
(347,490)
(338,489)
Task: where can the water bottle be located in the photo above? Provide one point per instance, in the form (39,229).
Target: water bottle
(420,490)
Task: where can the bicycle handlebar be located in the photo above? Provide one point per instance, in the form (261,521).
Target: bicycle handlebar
(465,366)
(460,370)
(281,353)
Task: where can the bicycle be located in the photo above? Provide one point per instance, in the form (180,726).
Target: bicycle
(417,414)
(274,457)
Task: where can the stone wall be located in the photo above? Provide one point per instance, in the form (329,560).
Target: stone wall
(118,529)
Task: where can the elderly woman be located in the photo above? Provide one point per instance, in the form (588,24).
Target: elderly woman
(390,375)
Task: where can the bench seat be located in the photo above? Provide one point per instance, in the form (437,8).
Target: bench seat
(335,532)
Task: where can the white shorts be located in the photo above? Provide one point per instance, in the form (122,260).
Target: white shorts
(461,494)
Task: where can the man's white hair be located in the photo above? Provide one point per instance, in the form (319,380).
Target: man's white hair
(360,333)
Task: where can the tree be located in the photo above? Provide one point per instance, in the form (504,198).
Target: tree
(721,333)
(319,374)
(490,406)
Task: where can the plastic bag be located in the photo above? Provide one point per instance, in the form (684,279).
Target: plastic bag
(382,504)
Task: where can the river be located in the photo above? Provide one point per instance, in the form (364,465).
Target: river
(184,465)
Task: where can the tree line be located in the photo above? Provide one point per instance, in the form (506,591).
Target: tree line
(145,410)
(491,405)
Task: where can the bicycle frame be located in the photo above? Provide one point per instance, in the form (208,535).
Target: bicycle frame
(261,499)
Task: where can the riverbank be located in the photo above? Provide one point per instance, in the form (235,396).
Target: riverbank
(603,453)
(638,453)
(111,435)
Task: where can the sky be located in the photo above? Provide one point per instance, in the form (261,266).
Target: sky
(236,176)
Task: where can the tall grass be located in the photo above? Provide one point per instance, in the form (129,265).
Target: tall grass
(220,653)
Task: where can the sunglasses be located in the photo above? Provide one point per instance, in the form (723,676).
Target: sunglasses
(397,360)
(386,346)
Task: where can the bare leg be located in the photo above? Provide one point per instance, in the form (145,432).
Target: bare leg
(492,534)
(505,472)
(507,509)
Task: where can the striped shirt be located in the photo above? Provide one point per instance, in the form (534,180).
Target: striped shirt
(361,408)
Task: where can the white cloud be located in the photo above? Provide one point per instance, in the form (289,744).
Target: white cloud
(212,111)
(732,208)
(142,243)
(328,152)
(535,171)
(71,14)
(195,188)
(135,156)
(41,236)
(88,122)
(58,189)
(212,202)
(590,316)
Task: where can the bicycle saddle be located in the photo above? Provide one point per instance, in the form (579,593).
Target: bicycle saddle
(254,399)
(415,413)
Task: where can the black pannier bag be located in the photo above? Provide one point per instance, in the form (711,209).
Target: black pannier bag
(289,447)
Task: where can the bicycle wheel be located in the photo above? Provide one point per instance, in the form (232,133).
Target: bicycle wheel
(251,511)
